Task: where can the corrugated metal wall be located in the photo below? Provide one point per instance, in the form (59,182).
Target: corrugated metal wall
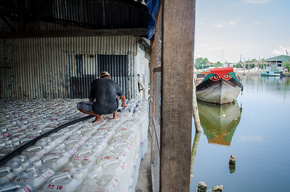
(82,72)
(46,67)
(6,70)
(118,67)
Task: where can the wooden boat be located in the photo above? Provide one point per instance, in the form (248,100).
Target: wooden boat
(221,85)
(219,122)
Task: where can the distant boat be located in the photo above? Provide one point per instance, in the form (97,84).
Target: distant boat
(274,73)
(219,122)
(221,86)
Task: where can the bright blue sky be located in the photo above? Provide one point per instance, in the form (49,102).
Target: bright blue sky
(227,29)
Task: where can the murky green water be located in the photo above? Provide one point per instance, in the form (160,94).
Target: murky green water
(256,130)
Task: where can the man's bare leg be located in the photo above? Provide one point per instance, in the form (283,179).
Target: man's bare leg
(115,115)
(98,117)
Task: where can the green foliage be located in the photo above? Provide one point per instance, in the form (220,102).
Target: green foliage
(287,65)
(249,63)
(218,64)
(250,66)
(201,63)
(238,65)
(254,60)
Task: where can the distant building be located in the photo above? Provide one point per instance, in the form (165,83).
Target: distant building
(277,63)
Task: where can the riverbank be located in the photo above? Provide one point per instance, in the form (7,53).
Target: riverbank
(247,73)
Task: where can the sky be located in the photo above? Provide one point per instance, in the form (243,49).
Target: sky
(234,30)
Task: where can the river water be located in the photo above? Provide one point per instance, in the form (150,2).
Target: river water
(255,129)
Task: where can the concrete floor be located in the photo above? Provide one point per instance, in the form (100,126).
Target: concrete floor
(144,183)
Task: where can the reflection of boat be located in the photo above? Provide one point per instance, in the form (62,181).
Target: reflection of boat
(219,122)
(221,85)
(275,73)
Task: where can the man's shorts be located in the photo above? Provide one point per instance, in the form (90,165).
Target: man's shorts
(86,105)
(93,108)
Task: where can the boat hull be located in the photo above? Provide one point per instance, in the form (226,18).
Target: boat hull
(219,122)
(269,75)
(221,91)
(274,73)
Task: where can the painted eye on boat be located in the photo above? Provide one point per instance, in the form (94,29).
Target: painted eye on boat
(227,77)
(216,77)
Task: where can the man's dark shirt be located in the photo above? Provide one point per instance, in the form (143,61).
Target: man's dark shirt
(105,91)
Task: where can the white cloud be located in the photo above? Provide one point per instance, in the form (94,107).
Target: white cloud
(257,22)
(200,23)
(232,22)
(251,138)
(281,50)
(204,45)
(223,24)
(257,1)
(218,25)
(208,47)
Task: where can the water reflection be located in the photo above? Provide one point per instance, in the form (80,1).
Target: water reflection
(219,122)
(259,139)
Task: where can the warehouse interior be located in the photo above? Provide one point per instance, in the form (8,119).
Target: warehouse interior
(53,49)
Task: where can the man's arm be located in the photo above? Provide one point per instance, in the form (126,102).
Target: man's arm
(123,98)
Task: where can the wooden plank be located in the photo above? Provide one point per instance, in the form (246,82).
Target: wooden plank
(156,95)
(133,4)
(82,7)
(152,141)
(44,9)
(104,13)
(152,103)
(157,69)
(7,23)
(76,33)
(156,136)
(21,21)
(176,99)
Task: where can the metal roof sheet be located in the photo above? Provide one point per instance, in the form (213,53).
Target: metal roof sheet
(24,15)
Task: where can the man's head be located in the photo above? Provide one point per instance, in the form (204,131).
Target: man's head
(105,74)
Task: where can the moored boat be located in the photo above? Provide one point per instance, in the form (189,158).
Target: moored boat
(221,85)
(275,73)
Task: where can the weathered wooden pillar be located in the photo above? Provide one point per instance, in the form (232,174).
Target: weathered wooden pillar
(176,97)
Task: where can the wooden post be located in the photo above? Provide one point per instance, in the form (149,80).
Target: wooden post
(153,64)
(193,152)
(176,94)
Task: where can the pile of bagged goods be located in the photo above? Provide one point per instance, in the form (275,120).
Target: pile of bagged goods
(82,157)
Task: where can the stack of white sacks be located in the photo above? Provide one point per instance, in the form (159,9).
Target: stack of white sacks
(83,157)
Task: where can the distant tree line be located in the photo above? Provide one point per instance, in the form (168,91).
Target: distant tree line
(287,65)
(203,63)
